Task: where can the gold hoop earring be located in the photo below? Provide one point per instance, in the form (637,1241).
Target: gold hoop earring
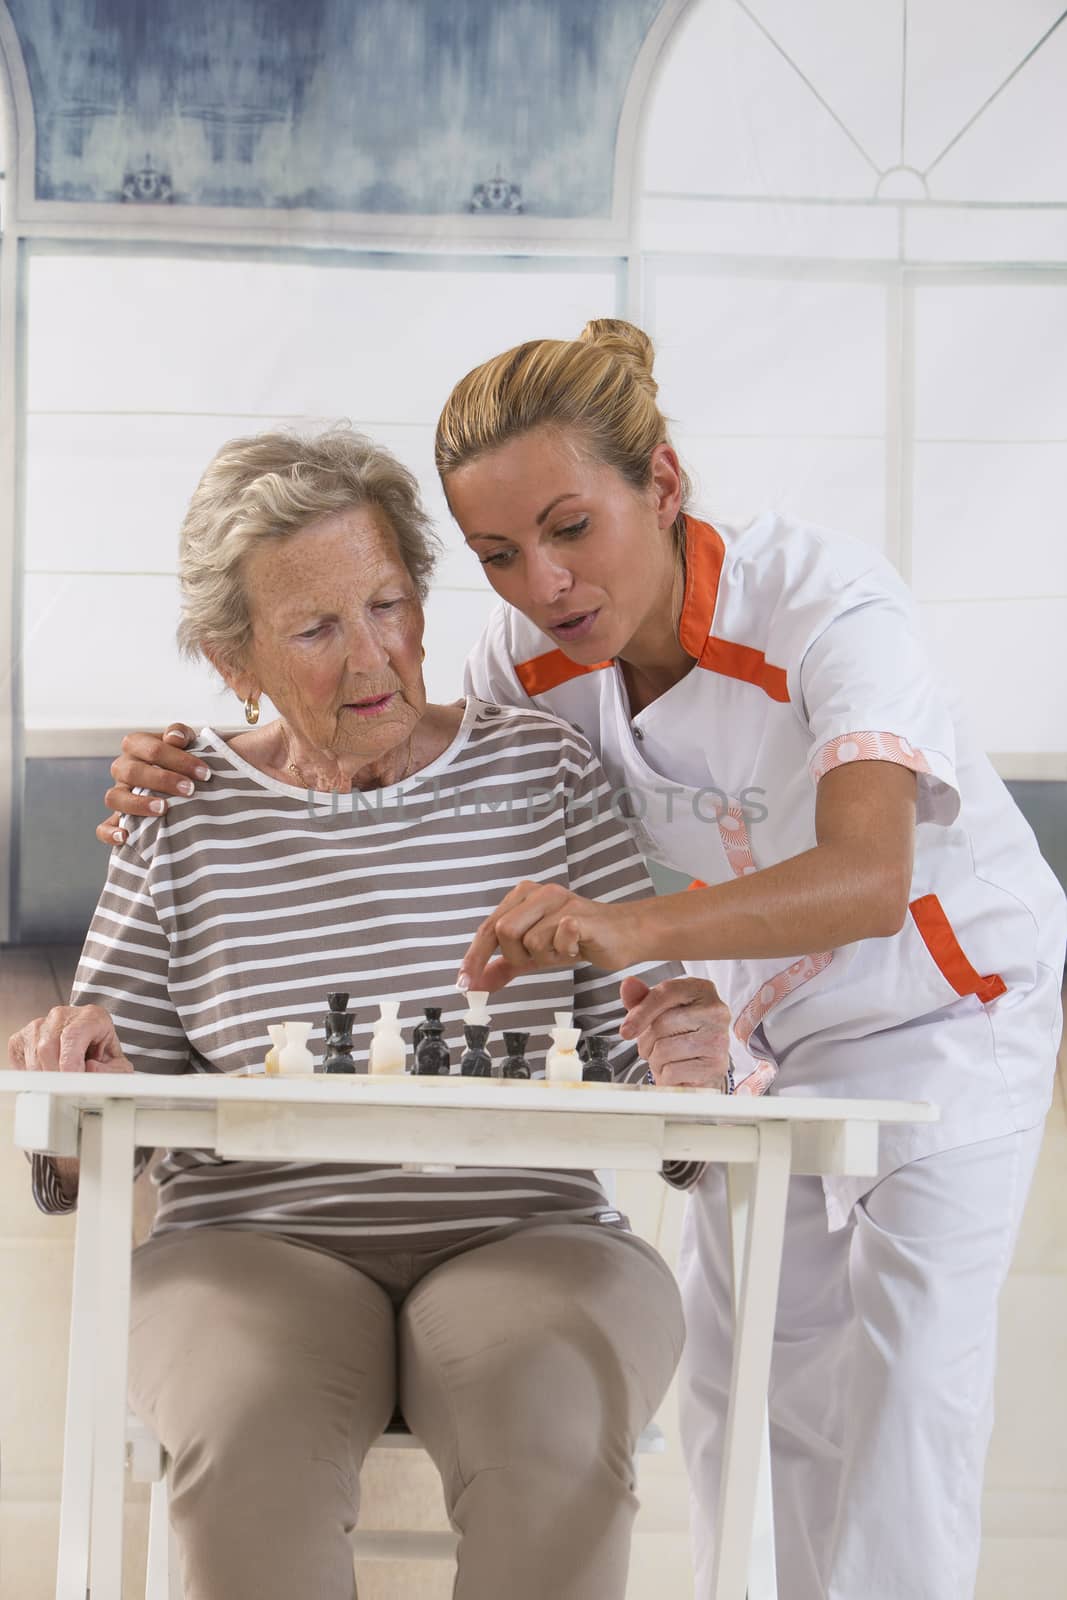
(251,711)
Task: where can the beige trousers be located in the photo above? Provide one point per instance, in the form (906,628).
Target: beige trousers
(527,1365)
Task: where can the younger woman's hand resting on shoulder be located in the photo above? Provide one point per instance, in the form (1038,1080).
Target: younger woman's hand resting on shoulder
(68,1039)
(158,762)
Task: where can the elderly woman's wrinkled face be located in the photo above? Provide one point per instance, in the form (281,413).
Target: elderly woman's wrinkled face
(337,634)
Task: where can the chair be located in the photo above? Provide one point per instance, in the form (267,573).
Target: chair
(147,1464)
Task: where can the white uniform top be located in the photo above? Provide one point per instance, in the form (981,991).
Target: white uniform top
(807,655)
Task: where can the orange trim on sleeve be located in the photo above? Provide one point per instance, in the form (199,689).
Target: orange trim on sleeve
(542,673)
(939,939)
(697,883)
(751,666)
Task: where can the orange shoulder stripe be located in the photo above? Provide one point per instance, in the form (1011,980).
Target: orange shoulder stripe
(939,939)
(542,673)
(751,666)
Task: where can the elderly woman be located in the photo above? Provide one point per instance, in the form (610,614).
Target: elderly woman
(281,1311)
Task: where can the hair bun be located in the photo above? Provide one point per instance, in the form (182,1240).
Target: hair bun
(627,343)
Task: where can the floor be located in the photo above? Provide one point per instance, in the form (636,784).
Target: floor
(1025,1544)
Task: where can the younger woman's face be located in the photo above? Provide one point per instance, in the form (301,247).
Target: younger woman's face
(567,540)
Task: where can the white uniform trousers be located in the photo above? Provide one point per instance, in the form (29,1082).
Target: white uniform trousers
(882,1373)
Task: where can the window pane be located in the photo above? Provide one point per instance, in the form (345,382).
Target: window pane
(964,233)
(852,56)
(1007,660)
(680,224)
(99,652)
(989,361)
(730,115)
(838,483)
(959,69)
(989,521)
(765,356)
(108,493)
(250,337)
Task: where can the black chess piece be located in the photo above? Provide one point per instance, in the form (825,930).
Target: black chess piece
(339,1022)
(515,1064)
(419,1029)
(432,1058)
(476,1062)
(597,1069)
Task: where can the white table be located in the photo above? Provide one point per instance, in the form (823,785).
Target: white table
(426,1121)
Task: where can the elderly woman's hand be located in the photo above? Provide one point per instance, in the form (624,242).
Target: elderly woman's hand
(149,761)
(682,1030)
(540,925)
(68,1039)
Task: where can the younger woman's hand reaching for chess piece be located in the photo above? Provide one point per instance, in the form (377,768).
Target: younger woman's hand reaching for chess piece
(543,925)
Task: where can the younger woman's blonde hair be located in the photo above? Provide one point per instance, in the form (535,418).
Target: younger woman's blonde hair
(267,487)
(598,386)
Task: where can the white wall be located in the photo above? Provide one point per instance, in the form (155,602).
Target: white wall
(141,365)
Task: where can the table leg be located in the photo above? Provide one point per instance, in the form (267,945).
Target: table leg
(72,1573)
(112,1348)
(763,1229)
(762,1565)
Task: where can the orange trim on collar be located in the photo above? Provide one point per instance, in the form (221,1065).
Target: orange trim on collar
(937,935)
(704,555)
(542,673)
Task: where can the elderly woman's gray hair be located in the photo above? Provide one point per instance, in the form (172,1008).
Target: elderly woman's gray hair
(269,486)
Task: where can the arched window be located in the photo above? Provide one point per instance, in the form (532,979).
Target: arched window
(794,130)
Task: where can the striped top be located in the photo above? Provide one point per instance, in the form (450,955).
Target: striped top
(251,900)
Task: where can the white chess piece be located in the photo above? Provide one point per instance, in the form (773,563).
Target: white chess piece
(477,1012)
(277,1036)
(387,1041)
(564,1064)
(295,1057)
